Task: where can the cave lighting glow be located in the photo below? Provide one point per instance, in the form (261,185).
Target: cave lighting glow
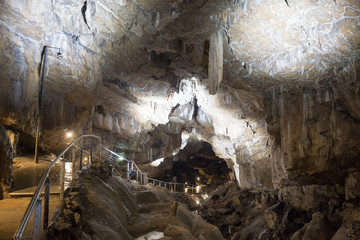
(157,162)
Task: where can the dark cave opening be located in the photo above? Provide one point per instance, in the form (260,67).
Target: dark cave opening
(196,165)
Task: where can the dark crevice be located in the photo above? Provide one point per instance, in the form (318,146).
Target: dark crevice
(83,11)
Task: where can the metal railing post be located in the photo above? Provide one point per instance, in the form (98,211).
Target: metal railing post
(81,153)
(91,151)
(128,171)
(46,203)
(175,187)
(145,180)
(100,154)
(37,220)
(137,175)
(73,159)
(132,165)
(62,178)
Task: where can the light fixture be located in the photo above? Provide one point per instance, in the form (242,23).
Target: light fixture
(198,178)
(69,134)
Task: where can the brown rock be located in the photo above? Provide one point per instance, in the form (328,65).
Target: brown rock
(348,231)
(77,218)
(352,185)
(6,157)
(318,228)
(62,226)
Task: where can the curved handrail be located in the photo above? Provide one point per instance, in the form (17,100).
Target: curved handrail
(129,161)
(20,231)
(25,220)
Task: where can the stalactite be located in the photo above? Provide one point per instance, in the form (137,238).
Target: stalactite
(215,61)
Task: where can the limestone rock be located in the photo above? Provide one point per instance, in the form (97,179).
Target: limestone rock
(318,228)
(352,186)
(77,218)
(348,231)
(14,139)
(6,158)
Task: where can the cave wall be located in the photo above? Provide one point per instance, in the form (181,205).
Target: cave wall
(285,113)
(26,27)
(6,158)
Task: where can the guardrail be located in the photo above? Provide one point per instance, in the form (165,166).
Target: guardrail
(176,187)
(82,151)
(61,175)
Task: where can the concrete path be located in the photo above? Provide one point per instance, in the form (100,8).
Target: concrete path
(12,211)
(26,177)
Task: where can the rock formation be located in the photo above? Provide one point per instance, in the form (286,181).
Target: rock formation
(272,86)
(6,157)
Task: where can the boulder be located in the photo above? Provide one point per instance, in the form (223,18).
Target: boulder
(319,228)
(348,231)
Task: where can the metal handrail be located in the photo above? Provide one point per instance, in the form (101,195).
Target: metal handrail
(129,161)
(20,231)
(25,220)
(191,186)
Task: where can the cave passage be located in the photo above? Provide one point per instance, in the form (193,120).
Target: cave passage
(197,164)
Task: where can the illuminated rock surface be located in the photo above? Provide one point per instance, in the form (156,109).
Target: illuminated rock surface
(107,207)
(284,114)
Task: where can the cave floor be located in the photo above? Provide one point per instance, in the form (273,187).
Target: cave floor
(12,210)
(27,175)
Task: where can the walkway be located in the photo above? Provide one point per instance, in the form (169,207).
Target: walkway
(26,177)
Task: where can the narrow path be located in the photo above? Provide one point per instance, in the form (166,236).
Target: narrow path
(26,178)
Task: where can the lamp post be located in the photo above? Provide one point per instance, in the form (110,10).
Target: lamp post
(41,86)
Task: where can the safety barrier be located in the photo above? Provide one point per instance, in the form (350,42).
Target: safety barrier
(61,174)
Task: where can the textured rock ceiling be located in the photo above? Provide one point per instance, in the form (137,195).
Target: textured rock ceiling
(138,72)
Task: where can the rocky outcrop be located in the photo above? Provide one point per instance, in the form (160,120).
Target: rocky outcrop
(105,206)
(244,214)
(6,158)
(14,140)
(285,116)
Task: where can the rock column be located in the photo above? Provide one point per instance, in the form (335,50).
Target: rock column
(215,61)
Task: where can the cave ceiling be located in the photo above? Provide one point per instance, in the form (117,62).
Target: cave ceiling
(139,69)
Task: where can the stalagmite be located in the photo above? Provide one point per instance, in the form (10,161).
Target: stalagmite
(215,61)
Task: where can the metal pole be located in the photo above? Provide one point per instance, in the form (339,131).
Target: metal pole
(100,155)
(174,187)
(62,178)
(73,158)
(37,220)
(46,203)
(145,180)
(91,151)
(41,86)
(128,171)
(137,175)
(81,153)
